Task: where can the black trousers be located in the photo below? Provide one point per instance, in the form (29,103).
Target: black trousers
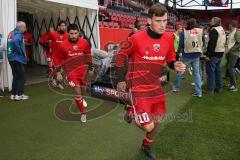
(19,77)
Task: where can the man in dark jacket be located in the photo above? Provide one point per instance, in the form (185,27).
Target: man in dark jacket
(215,51)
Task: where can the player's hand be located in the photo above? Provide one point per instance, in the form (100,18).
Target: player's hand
(121,86)
(59,76)
(179,66)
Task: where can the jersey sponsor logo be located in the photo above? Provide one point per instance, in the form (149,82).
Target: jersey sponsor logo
(154,58)
(74,54)
(156,47)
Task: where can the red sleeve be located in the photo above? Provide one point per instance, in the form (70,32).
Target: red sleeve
(127,48)
(171,53)
(30,38)
(59,56)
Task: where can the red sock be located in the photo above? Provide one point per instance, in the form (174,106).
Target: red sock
(79,103)
(50,70)
(147,141)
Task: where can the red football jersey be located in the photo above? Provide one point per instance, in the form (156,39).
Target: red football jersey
(45,40)
(146,58)
(56,40)
(27,39)
(73,57)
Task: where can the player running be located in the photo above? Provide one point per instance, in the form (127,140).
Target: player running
(56,39)
(46,43)
(74,57)
(147,51)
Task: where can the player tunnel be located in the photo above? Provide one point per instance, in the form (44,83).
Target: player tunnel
(41,14)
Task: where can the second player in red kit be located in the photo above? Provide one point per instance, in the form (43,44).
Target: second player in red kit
(74,57)
(56,39)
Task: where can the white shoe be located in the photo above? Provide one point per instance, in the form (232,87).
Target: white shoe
(84,103)
(24,97)
(83,117)
(60,86)
(54,83)
(18,98)
(12,97)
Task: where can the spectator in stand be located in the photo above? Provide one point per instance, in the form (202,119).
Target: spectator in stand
(134,30)
(107,18)
(137,24)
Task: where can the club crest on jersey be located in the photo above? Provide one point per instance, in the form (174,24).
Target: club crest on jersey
(75,48)
(61,37)
(156,47)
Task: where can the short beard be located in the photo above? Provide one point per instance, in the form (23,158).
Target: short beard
(61,31)
(73,40)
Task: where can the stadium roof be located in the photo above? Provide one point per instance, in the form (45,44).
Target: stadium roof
(204,4)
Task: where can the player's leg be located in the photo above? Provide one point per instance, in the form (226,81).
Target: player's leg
(157,110)
(75,84)
(146,121)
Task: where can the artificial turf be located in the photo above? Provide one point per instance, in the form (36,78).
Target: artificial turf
(30,129)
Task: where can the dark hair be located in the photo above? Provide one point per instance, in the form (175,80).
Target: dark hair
(61,22)
(158,10)
(178,26)
(217,21)
(191,22)
(72,27)
(233,23)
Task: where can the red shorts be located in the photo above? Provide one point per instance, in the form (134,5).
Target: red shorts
(147,107)
(77,78)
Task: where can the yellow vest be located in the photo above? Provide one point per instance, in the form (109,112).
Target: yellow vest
(193,40)
(221,39)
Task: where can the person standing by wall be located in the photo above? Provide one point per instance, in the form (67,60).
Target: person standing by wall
(17,59)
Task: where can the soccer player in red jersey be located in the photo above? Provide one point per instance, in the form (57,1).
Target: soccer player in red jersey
(74,57)
(147,51)
(45,42)
(28,40)
(56,39)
